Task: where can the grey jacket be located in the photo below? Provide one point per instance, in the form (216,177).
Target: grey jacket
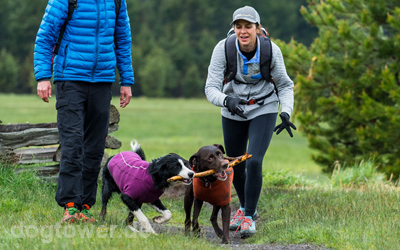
(249,72)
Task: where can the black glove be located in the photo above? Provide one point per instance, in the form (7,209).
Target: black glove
(233,106)
(286,124)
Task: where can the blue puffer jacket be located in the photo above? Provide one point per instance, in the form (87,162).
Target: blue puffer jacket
(87,52)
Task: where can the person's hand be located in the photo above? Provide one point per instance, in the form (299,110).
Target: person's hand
(44,90)
(286,124)
(232,104)
(125,97)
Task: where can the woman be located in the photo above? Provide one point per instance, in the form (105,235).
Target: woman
(249,109)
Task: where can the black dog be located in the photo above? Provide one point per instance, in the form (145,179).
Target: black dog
(214,189)
(138,182)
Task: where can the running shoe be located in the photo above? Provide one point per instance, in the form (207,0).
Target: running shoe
(86,215)
(247,227)
(71,213)
(236,220)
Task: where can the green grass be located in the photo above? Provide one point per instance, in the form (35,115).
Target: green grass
(162,126)
(337,218)
(355,209)
(31,220)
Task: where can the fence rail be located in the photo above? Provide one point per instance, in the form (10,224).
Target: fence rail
(26,144)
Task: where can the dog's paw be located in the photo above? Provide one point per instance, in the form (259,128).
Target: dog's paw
(160,219)
(164,217)
(197,233)
(219,233)
(225,240)
(143,231)
(133,229)
(150,231)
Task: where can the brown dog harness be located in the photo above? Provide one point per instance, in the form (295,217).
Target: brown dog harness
(217,193)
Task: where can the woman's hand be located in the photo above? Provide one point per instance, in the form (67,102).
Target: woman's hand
(233,106)
(286,124)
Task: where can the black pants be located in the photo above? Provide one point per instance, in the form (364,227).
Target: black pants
(247,178)
(83,111)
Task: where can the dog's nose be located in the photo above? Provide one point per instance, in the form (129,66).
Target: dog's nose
(191,174)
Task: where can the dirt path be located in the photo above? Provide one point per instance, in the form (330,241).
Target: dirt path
(207,232)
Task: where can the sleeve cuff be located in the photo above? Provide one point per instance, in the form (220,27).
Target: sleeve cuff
(42,80)
(287,110)
(126,84)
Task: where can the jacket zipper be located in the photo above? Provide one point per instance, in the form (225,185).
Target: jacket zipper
(97,39)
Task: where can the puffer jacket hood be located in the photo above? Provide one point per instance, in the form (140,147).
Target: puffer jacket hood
(87,52)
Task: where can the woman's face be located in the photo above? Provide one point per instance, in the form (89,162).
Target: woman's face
(246,33)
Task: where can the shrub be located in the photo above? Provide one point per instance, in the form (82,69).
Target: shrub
(8,72)
(348,99)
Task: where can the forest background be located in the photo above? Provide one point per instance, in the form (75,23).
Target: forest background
(343,56)
(172,40)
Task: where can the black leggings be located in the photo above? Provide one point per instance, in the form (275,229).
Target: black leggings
(258,133)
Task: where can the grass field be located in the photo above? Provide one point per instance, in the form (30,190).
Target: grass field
(168,125)
(294,209)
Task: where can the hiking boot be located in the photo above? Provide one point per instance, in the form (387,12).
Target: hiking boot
(86,215)
(71,213)
(247,227)
(236,220)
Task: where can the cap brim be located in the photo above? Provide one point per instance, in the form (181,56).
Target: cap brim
(244,18)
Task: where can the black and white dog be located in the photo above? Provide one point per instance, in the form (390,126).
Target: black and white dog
(139,181)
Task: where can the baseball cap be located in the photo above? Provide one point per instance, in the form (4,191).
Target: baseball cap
(246,13)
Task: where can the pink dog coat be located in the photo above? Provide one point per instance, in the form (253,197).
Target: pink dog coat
(130,174)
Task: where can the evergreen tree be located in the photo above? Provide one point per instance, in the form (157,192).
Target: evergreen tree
(158,74)
(185,32)
(9,70)
(348,101)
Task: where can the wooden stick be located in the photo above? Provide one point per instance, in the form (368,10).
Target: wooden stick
(239,159)
(234,162)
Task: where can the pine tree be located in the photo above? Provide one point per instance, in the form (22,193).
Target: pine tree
(348,101)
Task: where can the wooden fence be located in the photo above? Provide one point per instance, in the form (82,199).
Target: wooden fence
(26,144)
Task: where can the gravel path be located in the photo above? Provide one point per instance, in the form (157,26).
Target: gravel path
(207,232)
(236,242)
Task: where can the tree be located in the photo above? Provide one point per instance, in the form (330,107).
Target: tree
(158,74)
(9,72)
(185,31)
(348,101)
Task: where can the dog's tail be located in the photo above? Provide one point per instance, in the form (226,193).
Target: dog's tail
(137,148)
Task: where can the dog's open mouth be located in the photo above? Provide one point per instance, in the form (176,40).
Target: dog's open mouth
(187,181)
(221,175)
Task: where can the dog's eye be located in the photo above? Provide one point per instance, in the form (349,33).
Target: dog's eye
(210,158)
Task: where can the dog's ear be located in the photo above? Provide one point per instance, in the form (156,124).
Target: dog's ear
(155,168)
(161,163)
(220,147)
(186,162)
(194,162)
